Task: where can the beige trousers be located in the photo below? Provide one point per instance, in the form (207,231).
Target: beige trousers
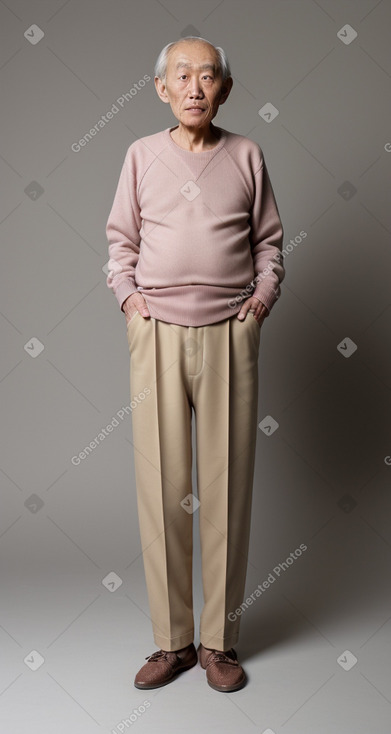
(214,370)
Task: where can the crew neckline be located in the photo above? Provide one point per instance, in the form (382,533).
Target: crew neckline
(198,154)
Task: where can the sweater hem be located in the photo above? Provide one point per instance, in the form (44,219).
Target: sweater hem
(194,305)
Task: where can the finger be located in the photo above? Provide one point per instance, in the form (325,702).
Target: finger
(143,307)
(258,313)
(140,305)
(242,314)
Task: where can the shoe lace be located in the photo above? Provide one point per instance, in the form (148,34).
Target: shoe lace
(158,656)
(220,657)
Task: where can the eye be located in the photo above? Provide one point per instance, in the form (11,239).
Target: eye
(205,76)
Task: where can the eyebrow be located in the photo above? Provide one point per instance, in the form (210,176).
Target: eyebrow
(183,64)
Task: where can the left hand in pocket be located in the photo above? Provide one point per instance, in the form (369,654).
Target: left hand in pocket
(257,309)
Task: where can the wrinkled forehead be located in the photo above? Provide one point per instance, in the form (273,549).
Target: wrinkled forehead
(199,56)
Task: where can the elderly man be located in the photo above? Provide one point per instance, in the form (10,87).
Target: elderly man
(195,243)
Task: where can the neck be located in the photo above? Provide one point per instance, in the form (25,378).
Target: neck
(195,139)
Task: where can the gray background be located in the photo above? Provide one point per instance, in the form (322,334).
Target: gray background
(322,478)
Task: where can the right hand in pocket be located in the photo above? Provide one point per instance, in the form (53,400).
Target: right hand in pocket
(135,302)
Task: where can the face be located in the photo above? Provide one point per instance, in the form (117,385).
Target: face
(193,85)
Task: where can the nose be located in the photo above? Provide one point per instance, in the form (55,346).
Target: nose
(195,88)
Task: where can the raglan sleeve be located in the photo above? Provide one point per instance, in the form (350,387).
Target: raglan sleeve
(123,233)
(266,237)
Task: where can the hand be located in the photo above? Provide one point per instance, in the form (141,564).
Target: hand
(257,307)
(133,303)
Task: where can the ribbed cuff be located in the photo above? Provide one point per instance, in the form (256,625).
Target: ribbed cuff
(124,290)
(267,297)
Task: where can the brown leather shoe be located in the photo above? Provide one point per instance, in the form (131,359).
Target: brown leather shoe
(223,671)
(162,666)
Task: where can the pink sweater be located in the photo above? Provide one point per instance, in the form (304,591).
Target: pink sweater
(190,231)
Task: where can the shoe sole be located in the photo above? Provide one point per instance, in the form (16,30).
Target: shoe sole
(175,675)
(227,690)
(221,689)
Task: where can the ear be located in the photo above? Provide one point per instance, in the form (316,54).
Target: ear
(161,89)
(225,89)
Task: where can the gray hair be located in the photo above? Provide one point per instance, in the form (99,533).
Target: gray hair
(161,62)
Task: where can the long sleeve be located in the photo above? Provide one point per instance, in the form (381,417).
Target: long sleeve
(123,234)
(266,240)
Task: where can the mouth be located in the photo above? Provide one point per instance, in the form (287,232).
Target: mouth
(195,109)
